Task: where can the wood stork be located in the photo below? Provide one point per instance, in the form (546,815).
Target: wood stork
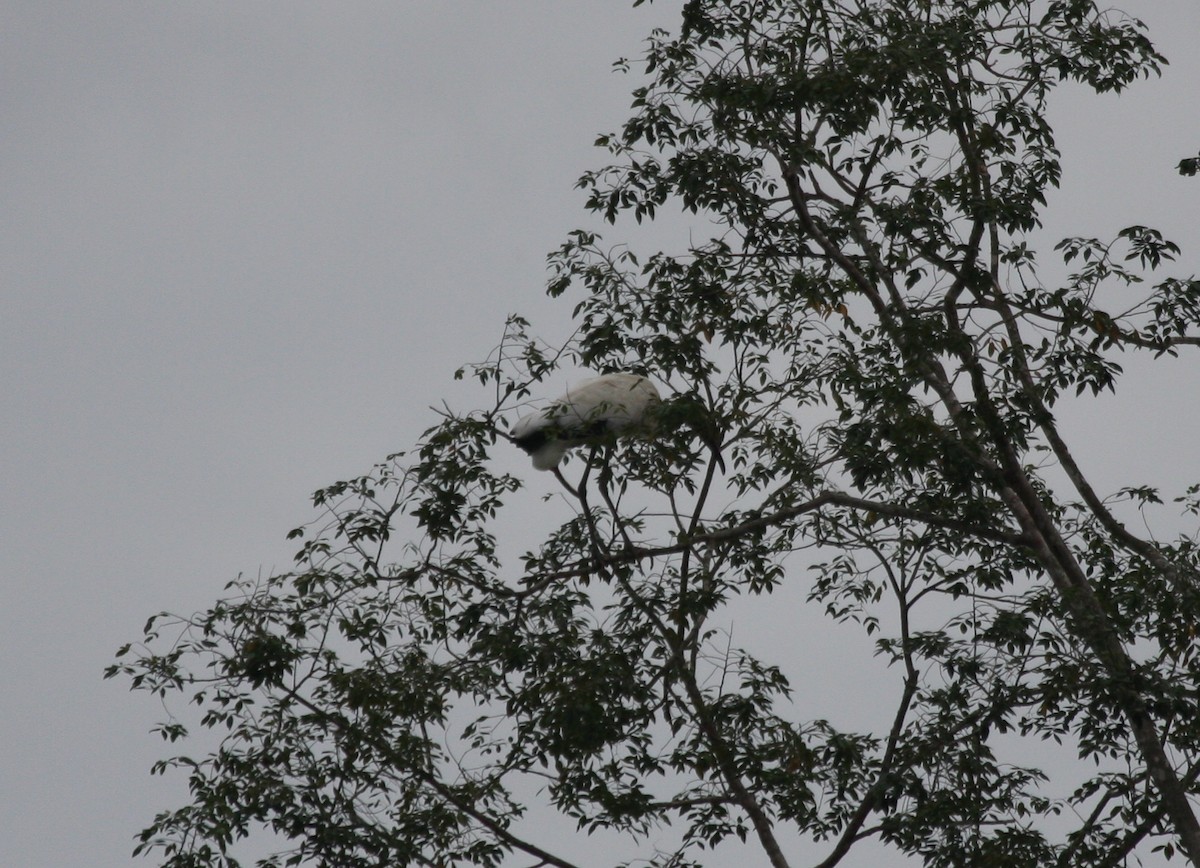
(591,413)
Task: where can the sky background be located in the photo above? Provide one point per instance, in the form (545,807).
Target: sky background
(245,245)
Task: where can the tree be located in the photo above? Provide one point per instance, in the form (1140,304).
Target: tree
(867,335)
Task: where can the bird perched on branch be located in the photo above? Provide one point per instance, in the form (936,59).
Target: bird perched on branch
(591,413)
(597,411)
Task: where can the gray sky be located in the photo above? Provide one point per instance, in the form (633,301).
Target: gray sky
(244,247)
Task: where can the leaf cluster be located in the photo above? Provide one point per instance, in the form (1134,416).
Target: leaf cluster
(862,364)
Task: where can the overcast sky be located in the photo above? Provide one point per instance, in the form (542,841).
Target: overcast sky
(244,245)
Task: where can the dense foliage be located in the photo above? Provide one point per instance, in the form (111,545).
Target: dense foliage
(863,328)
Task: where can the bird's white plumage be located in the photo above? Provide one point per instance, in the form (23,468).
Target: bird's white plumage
(589,413)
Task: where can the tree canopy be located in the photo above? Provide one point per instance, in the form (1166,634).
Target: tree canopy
(861,333)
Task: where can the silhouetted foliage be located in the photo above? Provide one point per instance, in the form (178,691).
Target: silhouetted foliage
(864,334)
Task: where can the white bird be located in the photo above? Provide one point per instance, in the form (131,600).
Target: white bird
(593,412)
